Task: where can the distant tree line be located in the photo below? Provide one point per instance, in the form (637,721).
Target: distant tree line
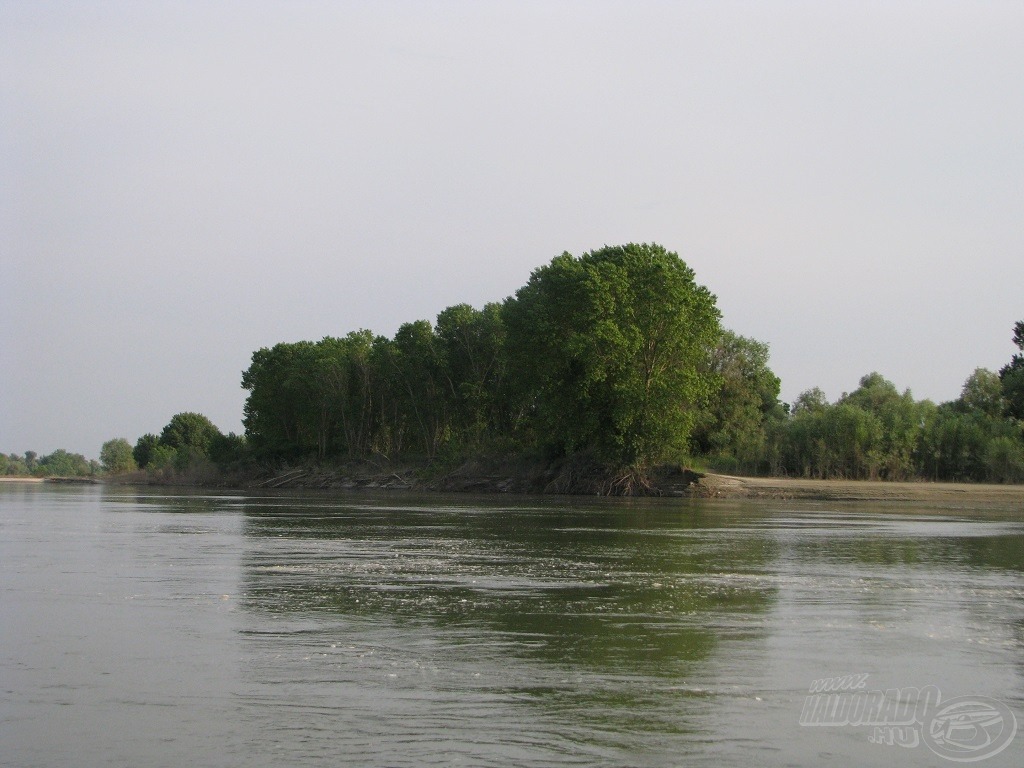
(877,432)
(615,359)
(60,463)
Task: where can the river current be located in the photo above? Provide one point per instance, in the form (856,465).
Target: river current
(152,628)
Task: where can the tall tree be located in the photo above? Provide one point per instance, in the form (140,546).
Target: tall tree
(889,452)
(1012,376)
(472,350)
(610,349)
(273,409)
(420,385)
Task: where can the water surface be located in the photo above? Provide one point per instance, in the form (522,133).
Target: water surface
(155,628)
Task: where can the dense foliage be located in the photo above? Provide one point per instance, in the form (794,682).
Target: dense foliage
(615,359)
(607,355)
(609,351)
(116,456)
(189,442)
(877,432)
(60,463)
(618,356)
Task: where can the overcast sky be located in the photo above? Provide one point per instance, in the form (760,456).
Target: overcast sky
(182,183)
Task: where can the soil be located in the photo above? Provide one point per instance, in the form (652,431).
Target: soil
(582,479)
(727,486)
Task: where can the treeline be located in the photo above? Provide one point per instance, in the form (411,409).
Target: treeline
(615,361)
(189,443)
(60,463)
(879,433)
(605,356)
(876,432)
(617,356)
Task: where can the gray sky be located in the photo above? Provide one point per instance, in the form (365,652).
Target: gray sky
(183,183)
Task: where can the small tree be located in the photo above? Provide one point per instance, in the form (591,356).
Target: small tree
(143,450)
(190,431)
(116,456)
(983,392)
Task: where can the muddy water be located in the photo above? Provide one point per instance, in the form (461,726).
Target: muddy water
(144,628)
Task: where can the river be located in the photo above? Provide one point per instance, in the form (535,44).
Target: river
(150,628)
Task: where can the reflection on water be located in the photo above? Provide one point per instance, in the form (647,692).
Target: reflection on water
(153,628)
(600,590)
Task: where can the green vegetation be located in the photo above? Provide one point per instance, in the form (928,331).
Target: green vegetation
(1011,376)
(60,463)
(190,444)
(609,351)
(614,361)
(604,357)
(877,432)
(116,457)
(602,367)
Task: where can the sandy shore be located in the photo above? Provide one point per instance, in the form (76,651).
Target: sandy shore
(21,480)
(727,486)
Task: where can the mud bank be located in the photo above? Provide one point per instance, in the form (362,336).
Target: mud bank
(727,486)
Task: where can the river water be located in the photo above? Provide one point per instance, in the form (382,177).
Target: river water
(144,628)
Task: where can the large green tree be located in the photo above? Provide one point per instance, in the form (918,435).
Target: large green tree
(888,452)
(415,368)
(610,351)
(318,399)
(273,409)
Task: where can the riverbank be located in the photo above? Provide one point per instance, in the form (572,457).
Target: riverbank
(66,480)
(670,481)
(515,479)
(728,486)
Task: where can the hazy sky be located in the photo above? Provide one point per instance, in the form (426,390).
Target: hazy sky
(182,183)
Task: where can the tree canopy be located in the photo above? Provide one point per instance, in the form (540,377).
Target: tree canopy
(116,456)
(609,349)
